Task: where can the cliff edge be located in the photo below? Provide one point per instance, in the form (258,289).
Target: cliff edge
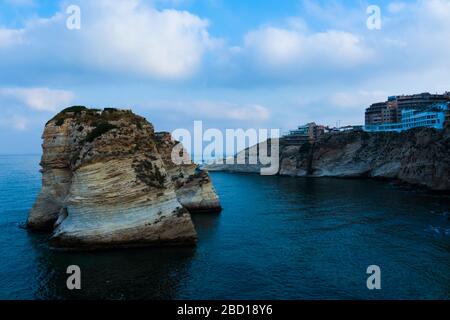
(417,157)
(108,181)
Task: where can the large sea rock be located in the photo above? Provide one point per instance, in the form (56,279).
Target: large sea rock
(108,181)
(419,157)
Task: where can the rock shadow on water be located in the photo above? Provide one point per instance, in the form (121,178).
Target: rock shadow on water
(156,273)
(206,225)
(133,274)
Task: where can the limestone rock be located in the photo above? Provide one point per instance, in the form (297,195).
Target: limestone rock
(106,185)
(193,186)
(417,157)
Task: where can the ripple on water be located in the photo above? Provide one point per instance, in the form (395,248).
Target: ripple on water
(277,238)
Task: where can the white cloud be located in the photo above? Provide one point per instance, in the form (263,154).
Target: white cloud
(214,110)
(275,46)
(295,49)
(436,9)
(20,123)
(16,122)
(133,37)
(126,37)
(9,37)
(396,7)
(254,112)
(40,99)
(357,100)
(348,62)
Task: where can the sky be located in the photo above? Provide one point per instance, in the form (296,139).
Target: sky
(230,63)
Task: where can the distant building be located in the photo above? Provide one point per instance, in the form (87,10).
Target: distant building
(349,128)
(310,132)
(433,116)
(374,114)
(318,132)
(343,129)
(390,112)
(447,115)
(421,101)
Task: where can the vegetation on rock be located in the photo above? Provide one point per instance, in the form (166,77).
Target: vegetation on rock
(99,130)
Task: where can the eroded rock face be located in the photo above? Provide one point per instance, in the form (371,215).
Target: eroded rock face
(417,157)
(193,186)
(106,184)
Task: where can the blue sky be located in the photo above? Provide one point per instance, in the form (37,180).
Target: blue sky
(232,64)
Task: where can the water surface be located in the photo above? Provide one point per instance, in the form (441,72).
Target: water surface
(277,238)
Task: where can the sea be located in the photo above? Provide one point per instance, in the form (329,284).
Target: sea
(277,238)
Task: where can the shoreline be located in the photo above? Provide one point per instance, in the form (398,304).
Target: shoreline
(392,181)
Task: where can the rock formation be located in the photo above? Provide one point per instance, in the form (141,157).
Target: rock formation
(193,186)
(417,157)
(108,182)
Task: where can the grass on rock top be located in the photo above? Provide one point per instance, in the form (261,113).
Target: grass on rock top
(97,118)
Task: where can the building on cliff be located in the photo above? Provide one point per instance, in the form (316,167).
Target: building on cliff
(349,128)
(310,132)
(390,112)
(374,113)
(447,116)
(433,116)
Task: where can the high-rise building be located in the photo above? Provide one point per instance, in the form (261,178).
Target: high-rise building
(391,111)
(421,101)
(433,116)
(374,114)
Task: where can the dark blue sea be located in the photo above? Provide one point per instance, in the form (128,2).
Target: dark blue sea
(277,238)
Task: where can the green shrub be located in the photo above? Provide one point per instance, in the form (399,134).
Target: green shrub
(76,109)
(110,110)
(59,122)
(99,130)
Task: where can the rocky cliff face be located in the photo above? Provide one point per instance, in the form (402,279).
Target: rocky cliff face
(193,186)
(108,182)
(417,157)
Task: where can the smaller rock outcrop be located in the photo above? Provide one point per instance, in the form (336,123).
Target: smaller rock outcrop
(193,186)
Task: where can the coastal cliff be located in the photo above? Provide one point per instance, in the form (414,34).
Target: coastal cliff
(417,157)
(108,181)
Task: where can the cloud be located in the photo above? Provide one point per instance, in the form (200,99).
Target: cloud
(254,112)
(356,100)
(9,37)
(337,63)
(278,47)
(130,39)
(40,99)
(130,36)
(20,123)
(213,110)
(121,37)
(16,122)
(396,7)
